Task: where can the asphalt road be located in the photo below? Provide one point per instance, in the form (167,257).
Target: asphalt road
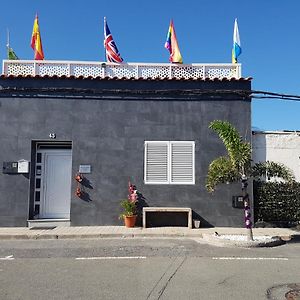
(145,269)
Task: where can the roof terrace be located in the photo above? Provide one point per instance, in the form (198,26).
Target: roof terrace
(103,70)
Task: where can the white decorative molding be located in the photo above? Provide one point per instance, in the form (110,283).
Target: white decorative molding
(124,70)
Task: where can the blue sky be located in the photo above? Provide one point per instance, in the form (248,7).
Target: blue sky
(269,32)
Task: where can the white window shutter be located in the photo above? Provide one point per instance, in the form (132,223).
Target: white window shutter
(156,162)
(182,162)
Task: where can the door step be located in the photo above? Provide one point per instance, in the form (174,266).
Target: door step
(48,223)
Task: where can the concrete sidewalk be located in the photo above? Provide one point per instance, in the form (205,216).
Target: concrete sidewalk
(121,231)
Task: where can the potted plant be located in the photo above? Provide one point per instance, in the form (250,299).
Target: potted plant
(129,207)
(129,213)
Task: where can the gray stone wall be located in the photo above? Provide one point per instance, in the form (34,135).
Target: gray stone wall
(108,125)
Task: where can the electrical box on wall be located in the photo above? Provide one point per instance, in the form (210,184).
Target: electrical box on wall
(10,167)
(23,166)
(237,202)
(15,167)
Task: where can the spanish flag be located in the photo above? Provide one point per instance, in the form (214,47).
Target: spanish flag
(36,42)
(172,45)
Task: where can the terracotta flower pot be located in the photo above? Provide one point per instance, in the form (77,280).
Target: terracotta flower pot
(129,221)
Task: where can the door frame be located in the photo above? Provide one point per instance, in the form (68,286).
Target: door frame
(37,146)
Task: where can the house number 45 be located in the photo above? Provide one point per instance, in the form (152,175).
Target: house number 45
(52,135)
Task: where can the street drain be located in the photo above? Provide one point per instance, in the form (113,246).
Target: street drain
(291,291)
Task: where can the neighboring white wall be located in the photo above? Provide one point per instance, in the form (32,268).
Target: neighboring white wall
(282,147)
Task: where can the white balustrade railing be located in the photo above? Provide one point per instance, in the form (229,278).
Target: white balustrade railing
(126,70)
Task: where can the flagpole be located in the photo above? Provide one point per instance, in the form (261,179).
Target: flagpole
(7,30)
(7,44)
(104,50)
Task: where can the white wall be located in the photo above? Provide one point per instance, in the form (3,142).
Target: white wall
(283,147)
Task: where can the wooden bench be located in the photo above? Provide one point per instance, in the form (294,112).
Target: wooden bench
(168,210)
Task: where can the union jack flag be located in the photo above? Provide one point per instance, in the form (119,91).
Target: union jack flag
(111,50)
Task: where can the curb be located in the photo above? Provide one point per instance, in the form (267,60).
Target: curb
(288,237)
(271,241)
(95,236)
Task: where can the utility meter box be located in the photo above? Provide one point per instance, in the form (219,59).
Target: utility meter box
(10,167)
(15,167)
(23,166)
(237,202)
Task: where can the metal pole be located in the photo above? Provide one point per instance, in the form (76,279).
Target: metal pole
(7,44)
(247,211)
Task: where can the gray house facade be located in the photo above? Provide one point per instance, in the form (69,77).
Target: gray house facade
(151,132)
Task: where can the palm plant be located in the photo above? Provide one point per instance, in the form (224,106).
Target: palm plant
(270,169)
(236,166)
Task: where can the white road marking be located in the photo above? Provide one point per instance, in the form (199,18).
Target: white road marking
(9,257)
(250,258)
(110,257)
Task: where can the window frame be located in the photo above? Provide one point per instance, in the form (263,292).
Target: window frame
(169,162)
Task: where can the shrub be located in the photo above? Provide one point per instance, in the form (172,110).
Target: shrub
(277,201)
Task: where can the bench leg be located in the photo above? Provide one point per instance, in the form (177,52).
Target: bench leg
(144,219)
(190,223)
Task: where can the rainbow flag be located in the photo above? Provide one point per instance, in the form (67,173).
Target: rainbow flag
(172,45)
(236,49)
(36,42)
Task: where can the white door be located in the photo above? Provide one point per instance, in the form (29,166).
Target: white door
(56,181)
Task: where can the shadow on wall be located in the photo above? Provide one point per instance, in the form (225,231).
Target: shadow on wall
(203,223)
(84,185)
(259,147)
(142,202)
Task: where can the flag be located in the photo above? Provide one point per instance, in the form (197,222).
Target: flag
(172,45)
(36,42)
(236,50)
(11,53)
(111,50)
